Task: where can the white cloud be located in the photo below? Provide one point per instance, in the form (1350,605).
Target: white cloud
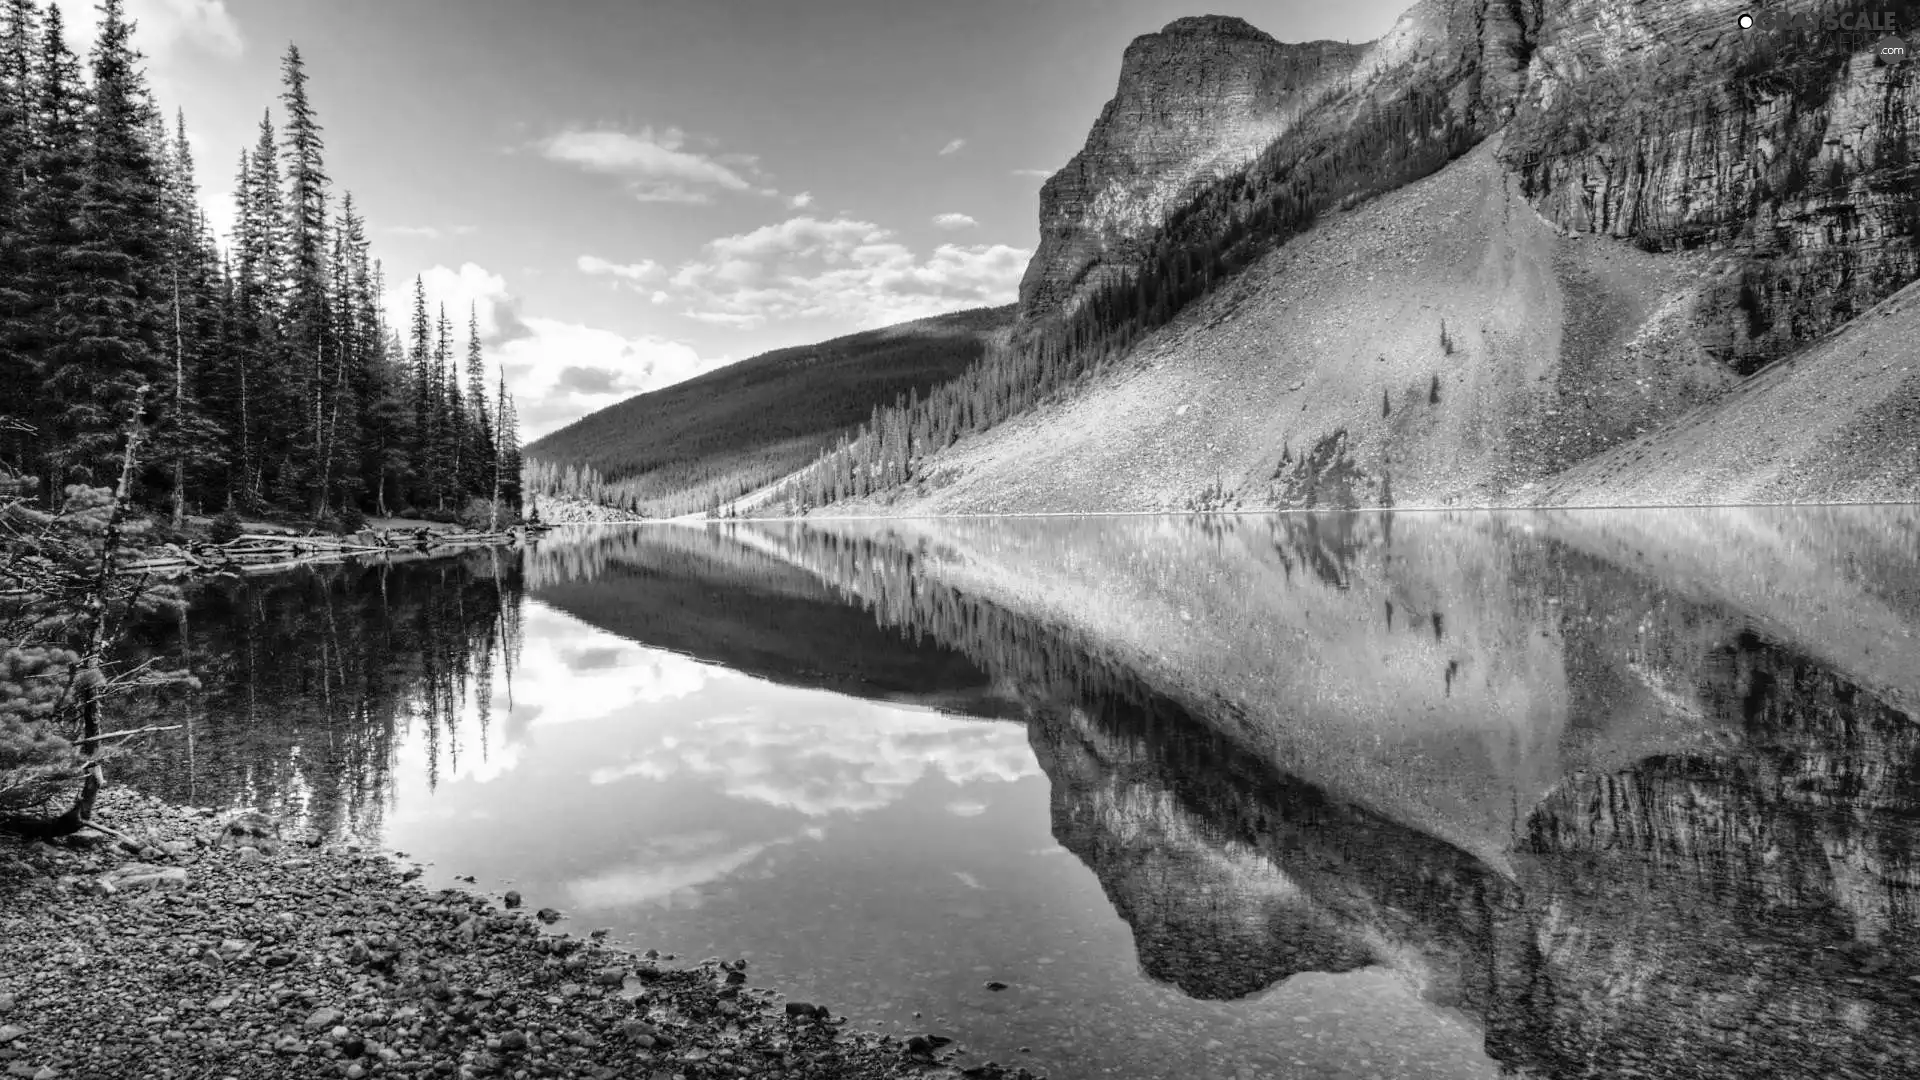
(842,268)
(953,147)
(953,221)
(801,201)
(431,232)
(562,371)
(557,371)
(1041,173)
(472,285)
(664,882)
(173,34)
(847,758)
(162,28)
(656,164)
(630,272)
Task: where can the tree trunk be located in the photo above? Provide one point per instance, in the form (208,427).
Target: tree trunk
(81,811)
(179,397)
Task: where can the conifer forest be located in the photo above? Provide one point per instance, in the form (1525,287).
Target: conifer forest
(262,370)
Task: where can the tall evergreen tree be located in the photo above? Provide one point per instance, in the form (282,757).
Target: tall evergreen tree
(444,449)
(307,316)
(508,445)
(19,21)
(421,438)
(187,438)
(481,453)
(104,345)
(272,378)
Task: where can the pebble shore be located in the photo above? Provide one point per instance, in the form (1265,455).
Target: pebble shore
(221,948)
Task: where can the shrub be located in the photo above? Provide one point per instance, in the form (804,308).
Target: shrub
(352,519)
(225,527)
(479,514)
(1433,391)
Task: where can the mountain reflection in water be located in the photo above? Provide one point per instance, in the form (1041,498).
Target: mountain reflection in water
(1633,791)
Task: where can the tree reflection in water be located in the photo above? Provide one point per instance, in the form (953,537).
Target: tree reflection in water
(311,680)
(1640,812)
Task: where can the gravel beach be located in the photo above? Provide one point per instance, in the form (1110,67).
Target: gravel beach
(224,949)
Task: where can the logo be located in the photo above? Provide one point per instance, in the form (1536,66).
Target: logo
(1807,22)
(1856,31)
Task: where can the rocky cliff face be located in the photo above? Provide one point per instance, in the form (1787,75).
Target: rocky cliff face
(1791,152)
(1196,101)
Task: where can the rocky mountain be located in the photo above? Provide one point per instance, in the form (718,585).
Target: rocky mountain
(1196,102)
(1475,257)
(1793,154)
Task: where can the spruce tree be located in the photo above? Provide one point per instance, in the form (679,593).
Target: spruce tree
(441,451)
(306,314)
(104,347)
(508,446)
(420,442)
(52,170)
(19,21)
(481,450)
(187,438)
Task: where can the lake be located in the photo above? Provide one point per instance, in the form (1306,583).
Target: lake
(1542,793)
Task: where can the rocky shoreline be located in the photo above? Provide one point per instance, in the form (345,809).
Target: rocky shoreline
(194,947)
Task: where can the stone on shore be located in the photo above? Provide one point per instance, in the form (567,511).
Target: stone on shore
(282,968)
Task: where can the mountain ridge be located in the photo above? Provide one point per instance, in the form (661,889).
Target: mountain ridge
(1708,202)
(685,447)
(1629,210)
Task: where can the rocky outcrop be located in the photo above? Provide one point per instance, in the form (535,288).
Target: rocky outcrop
(1196,101)
(1790,151)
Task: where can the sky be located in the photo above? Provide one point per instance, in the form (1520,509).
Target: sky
(634,193)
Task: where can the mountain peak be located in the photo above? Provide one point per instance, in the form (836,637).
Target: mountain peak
(1215,26)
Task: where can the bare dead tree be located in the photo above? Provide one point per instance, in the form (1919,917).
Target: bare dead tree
(48,565)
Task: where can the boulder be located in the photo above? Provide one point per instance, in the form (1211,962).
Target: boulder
(143,876)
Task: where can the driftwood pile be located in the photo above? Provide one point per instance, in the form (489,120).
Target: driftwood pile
(259,553)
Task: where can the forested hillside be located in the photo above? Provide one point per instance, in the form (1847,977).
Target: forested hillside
(695,444)
(1392,140)
(1769,175)
(264,374)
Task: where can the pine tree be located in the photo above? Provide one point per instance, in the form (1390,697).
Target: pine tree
(187,438)
(441,451)
(104,348)
(508,446)
(307,315)
(52,169)
(420,443)
(481,451)
(266,410)
(19,20)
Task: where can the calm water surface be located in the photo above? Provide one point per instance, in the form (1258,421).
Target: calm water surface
(1555,794)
